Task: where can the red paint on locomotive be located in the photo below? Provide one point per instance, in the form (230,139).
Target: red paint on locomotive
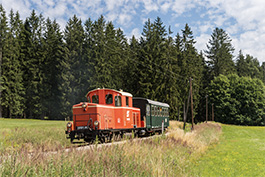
(110,109)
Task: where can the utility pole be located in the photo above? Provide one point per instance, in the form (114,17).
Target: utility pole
(178,112)
(212,113)
(191,104)
(186,111)
(1,57)
(206,108)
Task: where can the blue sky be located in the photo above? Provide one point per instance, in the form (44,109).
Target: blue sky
(243,20)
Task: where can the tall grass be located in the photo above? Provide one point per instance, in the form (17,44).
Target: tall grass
(170,155)
(31,135)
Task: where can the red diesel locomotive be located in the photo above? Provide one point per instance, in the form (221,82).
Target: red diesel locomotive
(109,112)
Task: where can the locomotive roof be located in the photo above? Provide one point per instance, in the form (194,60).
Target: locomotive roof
(152,102)
(121,92)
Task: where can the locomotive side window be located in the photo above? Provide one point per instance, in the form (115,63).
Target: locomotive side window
(95,99)
(118,100)
(109,99)
(127,101)
(88,99)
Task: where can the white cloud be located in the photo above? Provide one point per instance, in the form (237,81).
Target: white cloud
(136,32)
(201,41)
(124,19)
(149,6)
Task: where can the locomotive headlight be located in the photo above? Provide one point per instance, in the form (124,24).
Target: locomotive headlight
(69,124)
(96,123)
(83,105)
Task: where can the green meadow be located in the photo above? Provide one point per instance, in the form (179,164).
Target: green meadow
(211,150)
(31,135)
(240,152)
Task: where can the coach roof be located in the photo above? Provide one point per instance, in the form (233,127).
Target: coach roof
(152,102)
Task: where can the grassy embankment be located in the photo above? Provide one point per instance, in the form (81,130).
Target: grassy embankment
(171,155)
(241,152)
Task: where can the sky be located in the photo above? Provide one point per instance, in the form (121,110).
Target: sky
(243,20)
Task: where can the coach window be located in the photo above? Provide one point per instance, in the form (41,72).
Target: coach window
(127,101)
(95,99)
(166,112)
(147,110)
(109,99)
(117,100)
(153,111)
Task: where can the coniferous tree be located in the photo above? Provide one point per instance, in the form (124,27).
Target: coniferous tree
(191,64)
(74,64)
(12,72)
(51,67)
(88,61)
(132,68)
(152,58)
(3,36)
(32,54)
(248,66)
(220,53)
(171,77)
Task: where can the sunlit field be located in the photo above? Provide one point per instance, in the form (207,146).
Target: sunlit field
(241,152)
(37,148)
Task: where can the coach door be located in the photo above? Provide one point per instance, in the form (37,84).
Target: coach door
(135,119)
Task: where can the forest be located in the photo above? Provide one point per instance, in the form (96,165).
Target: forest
(45,69)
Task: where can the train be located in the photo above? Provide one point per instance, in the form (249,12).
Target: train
(108,113)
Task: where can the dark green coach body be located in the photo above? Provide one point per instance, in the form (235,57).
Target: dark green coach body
(153,112)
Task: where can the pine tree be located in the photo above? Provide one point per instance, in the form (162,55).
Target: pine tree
(132,69)
(74,64)
(191,64)
(13,81)
(31,42)
(248,66)
(171,77)
(153,59)
(3,36)
(51,67)
(102,54)
(88,60)
(220,53)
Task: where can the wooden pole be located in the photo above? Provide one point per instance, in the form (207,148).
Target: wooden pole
(178,113)
(191,104)
(212,112)
(1,57)
(206,108)
(186,111)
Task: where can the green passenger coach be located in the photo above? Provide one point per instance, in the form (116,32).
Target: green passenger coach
(153,113)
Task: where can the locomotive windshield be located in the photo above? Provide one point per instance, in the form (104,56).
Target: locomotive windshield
(109,99)
(95,99)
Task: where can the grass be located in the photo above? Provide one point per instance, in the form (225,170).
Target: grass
(160,156)
(241,152)
(31,135)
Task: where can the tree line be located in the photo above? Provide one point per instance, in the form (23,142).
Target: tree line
(45,69)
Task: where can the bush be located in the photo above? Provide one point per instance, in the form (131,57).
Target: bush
(238,100)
